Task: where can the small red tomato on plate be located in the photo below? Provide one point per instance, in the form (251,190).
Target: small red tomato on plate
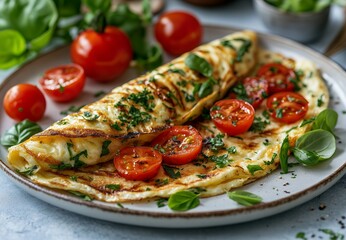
(103,56)
(25,101)
(178,32)
(63,83)
(138,163)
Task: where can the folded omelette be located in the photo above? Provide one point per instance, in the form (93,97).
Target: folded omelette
(136,112)
(76,153)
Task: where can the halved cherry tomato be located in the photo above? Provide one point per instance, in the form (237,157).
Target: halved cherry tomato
(279,77)
(287,107)
(103,56)
(178,32)
(138,163)
(25,101)
(63,83)
(179,144)
(232,116)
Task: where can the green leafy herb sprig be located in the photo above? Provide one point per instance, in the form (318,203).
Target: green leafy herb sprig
(315,146)
(19,133)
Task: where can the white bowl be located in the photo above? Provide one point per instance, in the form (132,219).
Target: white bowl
(302,27)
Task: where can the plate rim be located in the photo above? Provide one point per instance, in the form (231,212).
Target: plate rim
(338,173)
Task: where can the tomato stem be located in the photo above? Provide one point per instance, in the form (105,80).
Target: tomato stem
(99,22)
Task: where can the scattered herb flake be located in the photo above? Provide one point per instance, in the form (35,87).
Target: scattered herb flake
(254,168)
(113,186)
(171,171)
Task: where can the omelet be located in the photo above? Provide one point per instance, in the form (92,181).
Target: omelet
(225,162)
(136,112)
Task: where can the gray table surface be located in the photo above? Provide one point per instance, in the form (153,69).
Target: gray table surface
(25,217)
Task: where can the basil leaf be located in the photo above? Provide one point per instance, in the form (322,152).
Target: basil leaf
(104,149)
(206,88)
(243,49)
(199,64)
(19,133)
(320,142)
(183,201)
(13,43)
(327,120)
(68,8)
(34,20)
(244,198)
(285,146)
(305,157)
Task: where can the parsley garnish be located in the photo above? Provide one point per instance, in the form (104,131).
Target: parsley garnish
(113,186)
(161,202)
(202,176)
(143,99)
(161,182)
(259,124)
(105,149)
(90,116)
(232,150)
(171,171)
(254,168)
(134,117)
(272,160)
(320,101)
(221,161)
(81,195)
(243,49)
(279,113)
(216,143)
(28,171)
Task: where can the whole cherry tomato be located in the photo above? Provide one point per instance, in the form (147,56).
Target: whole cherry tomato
(179,144)
(232,116)
(103,56)
(138,163)
(25,101)
(63,83)
(178,32)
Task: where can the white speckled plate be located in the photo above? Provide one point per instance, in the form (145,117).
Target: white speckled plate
(279,192)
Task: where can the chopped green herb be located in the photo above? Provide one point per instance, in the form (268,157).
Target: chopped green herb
(266,142)
(113,186)
(134,117)
(232,150)
(279,113)
(244,198)
(182,83)
(172,96)
(197,190)
(188,97)
(28,171)
(205,114)
(81,195)
(171,171)
(307,121)
(202,176)
(216,143)
(116,126)
(272,160)
(143,99)
(161,202)
(90,116)
(320,100)
(240,92)
(161,182)
(74,178)
(254,168)
(227,43)
(221,161)
(333,235)
(177,70)
(301,235)
(243,49)
(259,124)
(105,150)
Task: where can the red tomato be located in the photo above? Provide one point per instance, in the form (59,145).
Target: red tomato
(63,83)
(103,56)
(232,116)
(178,32)
(287,107)
(179,144)
(278,76)
(256,89)
(25,101)
(138,163)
